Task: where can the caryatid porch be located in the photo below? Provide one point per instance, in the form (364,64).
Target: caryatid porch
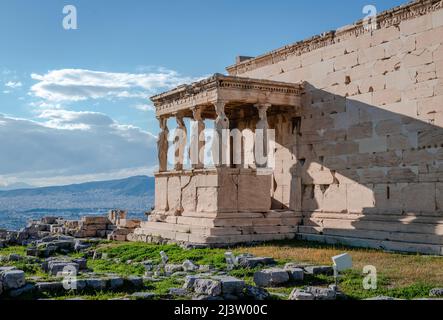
(231,201)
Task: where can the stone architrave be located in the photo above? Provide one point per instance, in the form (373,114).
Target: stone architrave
(180,142)
(162,145)
(197,142)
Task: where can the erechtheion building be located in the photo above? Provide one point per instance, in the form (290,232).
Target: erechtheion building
(358,120)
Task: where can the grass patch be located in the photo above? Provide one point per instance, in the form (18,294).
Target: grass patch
(402,270)
(138,252)
(20,250)
(101,266)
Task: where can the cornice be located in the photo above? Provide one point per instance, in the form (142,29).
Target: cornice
(209,88)
(385,19)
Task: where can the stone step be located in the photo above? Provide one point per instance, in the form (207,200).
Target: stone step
(376,244)
(159,227)
(375,235)
(232,222)
(397,226)
(432,219)
(143,234)
(269,214)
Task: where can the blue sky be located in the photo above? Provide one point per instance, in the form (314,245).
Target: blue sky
(72,100)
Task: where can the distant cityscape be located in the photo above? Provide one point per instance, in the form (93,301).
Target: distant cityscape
(134,194)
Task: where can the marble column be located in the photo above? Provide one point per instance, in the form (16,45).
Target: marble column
(163,145)
(197,145)
(221,152)
(261,135)
(179,142)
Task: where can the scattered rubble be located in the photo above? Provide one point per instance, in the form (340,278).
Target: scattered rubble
(314,293)
(436,292)
(116,226)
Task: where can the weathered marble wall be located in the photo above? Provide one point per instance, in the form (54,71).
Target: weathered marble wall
(368,157)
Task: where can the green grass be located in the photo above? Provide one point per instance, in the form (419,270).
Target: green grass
(21,250)
(138,252)
(404,276)
(108,266)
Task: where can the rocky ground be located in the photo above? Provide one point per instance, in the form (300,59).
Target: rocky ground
(100,269)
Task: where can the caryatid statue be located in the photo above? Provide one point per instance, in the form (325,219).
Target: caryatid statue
(162,145)
(180,142)
(220,148)
(261,134)
(197,142)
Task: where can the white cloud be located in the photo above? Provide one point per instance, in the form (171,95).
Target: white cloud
(72,146)
(144,107)
(13,84)
(80,84)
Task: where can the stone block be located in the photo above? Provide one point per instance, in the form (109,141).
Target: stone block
(439,196)
(417,58)
(255,198)
(316,270)
(382,67)
(400,79)
(419,197)
(384,35)
(359,197)
(207,199)
(430,138)
(208,287)
(95,220)
(360,131)
(420,90)
(161,193)
(207,180)
(437,19)
(375,144)
(174,194)
(295,274)
(387,96)
(49,286)
(371,54)
(230,285)
(12,279)
(298,294)
(386,159)
(322,293)
(311,58)
(129,223)
(247,261)
(189,195)
(388,197)
(228,192)
(346,61)
(372,84)
(271,277)
(417,157)
(387,127)
(416,25)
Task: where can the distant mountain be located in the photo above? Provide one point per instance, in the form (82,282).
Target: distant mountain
(134,194)
(14,186)
(133,186)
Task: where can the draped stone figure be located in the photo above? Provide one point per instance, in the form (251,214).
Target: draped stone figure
(180,142)
(220,144)
(162,145)
(261,134)
(197,142)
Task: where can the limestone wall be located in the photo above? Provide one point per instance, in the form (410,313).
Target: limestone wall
(369,151)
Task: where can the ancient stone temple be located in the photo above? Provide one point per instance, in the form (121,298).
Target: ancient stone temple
(357,117)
